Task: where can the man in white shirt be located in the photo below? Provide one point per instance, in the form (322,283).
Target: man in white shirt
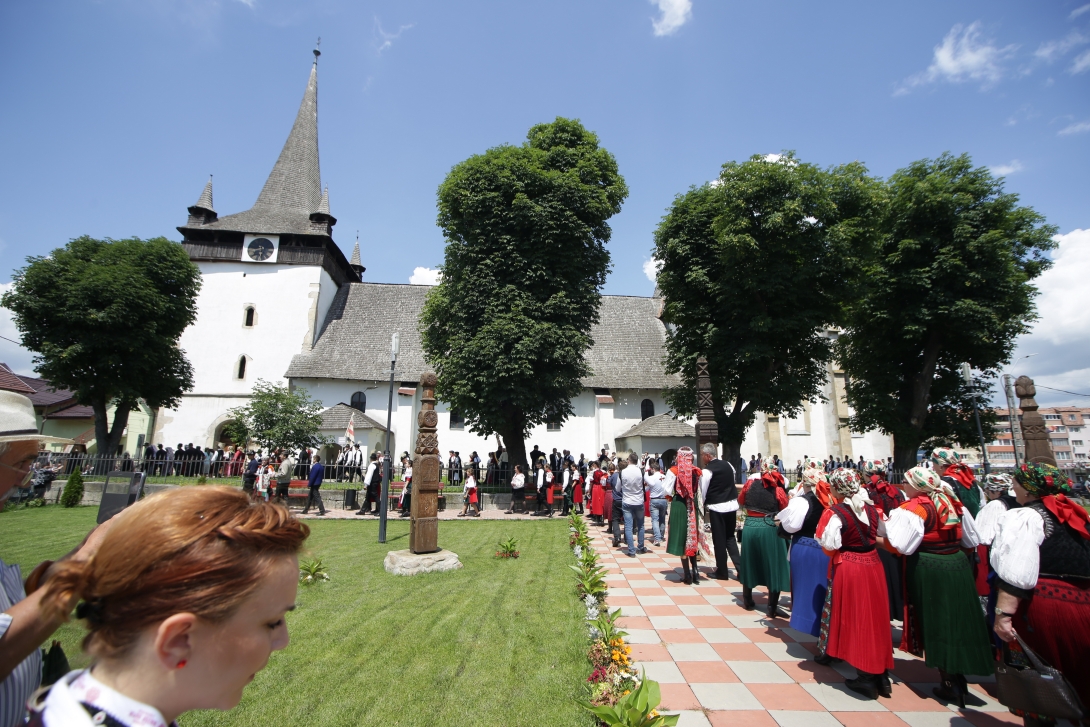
(371,495)
(719,492)
(656,487)
(632,489)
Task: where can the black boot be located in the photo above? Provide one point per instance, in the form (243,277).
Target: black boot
(865,684)
(696,571)
(773,603)
(687,576)
(950,689)
(885,687)
(747,598)
(823,659)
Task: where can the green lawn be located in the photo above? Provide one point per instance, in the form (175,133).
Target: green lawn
(496,643)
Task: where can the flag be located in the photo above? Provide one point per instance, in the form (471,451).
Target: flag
(350,433)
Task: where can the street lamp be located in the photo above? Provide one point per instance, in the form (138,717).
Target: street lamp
(387,468)
(967,377)
(1016,426)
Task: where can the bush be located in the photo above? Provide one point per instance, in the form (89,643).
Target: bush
(312,571)
(73,490)
(508,548)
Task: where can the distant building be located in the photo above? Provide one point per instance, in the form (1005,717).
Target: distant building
(1067,434)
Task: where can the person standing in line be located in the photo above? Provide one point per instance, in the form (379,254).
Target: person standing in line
(719,492)
(491,472)
(764,562)
(249,477)
(656,487)
(518,486)
(948,465)
(314,484)
(555,460)
(887,498)
(597,493)
(539,486)
(407,490)
(576,490)
(264,478)
(368,498)
(564,478)
(685,536)
(809,563)
(535,455)
(996,489)
(617,514)
(341,463)
(283,477)
(469,496)
(632,489)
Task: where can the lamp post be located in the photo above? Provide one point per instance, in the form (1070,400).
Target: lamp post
(387,468)
(967,377)
(1012,417)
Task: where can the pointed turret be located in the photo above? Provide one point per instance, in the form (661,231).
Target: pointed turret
(320,218)
(354,263)
(202,212)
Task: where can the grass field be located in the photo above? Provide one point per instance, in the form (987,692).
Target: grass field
(497,643)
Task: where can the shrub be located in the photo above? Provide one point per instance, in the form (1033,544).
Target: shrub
(312,571)
(508,548)
(202,480)
(73,490)
(635,709)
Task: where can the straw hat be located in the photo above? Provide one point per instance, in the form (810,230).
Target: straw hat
(17,422)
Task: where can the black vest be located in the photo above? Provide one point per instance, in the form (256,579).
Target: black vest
(1064,554)
(759,499)
(721,488)
(813,516)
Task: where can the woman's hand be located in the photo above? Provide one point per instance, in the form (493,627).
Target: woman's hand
(1004,628)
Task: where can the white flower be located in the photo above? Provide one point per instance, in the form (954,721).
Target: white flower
(594,633)
(578,551)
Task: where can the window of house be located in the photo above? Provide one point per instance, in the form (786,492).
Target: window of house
(1054,417)
(241,370)
(647,409)
(1063,455)
(359,401)
(457,420)
(248,320)
(1058,442)
(1076,442)
(553,426)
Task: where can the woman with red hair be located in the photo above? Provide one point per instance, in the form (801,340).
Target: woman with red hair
(184,602)
(764,554)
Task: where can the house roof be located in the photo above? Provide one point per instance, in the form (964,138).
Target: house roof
(338,416)
(663,425)
(75,411)
(44,394)
(354,342)
(10,382)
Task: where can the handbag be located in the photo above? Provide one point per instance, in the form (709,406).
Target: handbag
(54,664)
(1037,689)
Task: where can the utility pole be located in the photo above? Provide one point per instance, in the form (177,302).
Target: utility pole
(387,468)
(967,377)
(1016,426)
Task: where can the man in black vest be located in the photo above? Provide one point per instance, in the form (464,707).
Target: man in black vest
(721,497)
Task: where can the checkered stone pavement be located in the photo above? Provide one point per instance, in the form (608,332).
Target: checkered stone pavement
(718,664)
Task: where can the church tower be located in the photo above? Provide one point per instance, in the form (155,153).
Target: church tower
(269,273)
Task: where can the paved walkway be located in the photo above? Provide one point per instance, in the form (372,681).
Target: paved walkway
(719,664)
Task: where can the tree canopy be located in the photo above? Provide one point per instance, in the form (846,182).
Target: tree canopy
(951,284)
(755,267)
(277,417)
(508,326)
(104,318)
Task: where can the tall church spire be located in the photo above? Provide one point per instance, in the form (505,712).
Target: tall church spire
(295,181)
(354,263)
(203,212)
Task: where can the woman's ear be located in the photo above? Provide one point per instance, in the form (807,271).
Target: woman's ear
(173,647)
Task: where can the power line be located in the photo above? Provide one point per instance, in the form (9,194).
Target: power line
(8,339)
(1062,391)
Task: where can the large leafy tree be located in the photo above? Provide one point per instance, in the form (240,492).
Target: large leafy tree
(509,324)
(277,417)
(951,285)
(755,267)
(104,318)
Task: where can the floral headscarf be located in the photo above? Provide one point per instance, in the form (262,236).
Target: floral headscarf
(940,493)
(1053,487)
(684,473)
(945,455)
(847,483)
(997,482)
(875,467)
(816,479)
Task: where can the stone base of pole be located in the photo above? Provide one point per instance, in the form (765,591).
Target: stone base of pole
(408,563)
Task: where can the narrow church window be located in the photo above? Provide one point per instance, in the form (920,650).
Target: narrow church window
(647,409)
(457,420)
(359,401)
(242,367)
(249,317)
(553,425)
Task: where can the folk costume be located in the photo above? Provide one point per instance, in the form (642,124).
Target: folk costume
(943,621)
(887,498)
(996,489)
(809,563)
(960,477)
(685,536)
(764,554)
(720,493)
(855,619)
(540,488)
(1041,555)
(597,494)
(577,492)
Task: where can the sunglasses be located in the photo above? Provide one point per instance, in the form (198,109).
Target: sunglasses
(27,474)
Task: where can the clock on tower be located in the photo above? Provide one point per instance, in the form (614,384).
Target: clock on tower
(260,248)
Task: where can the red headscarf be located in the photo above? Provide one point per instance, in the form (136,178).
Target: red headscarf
(1068,513)
(963,473)
(683,487)
(772,480)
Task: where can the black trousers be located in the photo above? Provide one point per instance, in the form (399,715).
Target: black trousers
(723,540)
(315,496)
(372,496)
(617,518)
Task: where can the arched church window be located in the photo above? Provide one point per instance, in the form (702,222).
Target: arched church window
(647,409)
(248,322)
(359,401)
(241,367)
(457,420)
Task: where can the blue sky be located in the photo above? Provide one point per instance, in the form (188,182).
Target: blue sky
(117,111)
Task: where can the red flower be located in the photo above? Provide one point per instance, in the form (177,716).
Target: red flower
(1048,480)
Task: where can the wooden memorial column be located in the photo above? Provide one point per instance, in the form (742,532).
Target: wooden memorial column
(1034,431)
(424,509)
(707,430)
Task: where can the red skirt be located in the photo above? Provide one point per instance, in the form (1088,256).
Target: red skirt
(577,493)
(549,494)
(473,495)
(855,621)
(607,503)
(597,500)
(646,503)
(983,588)
(1055,622)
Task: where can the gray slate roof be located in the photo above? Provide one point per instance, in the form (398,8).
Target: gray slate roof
(354,342)
(338,416)
(663,425)
(205,201)
(294,189)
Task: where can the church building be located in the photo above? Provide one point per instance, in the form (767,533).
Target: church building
(280,302)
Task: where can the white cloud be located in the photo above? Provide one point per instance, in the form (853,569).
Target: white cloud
(962,56)
(248,3)
(675,13)
(1004,170)
(388,38)
(1081,63)
(651,268)
(424,276)
(1055,49)
(1079,11)
(18,358)
(1077,128)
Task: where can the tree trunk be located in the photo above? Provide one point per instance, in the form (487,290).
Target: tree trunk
(107,437)
(515,445)
(904,453)
(906,445)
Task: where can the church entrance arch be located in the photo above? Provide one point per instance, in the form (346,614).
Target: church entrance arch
(223,438)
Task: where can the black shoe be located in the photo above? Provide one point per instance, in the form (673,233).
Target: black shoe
(885,687)
(747,599)
(696,577)
(949,690)
(823,659)
(864,685)
(687,578)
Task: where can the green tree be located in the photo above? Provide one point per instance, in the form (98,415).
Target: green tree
(509,324)
(104,318)
(951,284)
(72,494)
(755,267)
(277,418)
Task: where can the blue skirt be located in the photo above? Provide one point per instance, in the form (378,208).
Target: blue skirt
(809,582)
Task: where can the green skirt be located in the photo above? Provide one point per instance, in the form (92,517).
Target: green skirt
(678,528)
(945,614)
(764,557)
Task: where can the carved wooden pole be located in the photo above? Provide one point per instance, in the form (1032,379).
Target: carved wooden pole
(1034,431)
(424,525)
(707,431)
